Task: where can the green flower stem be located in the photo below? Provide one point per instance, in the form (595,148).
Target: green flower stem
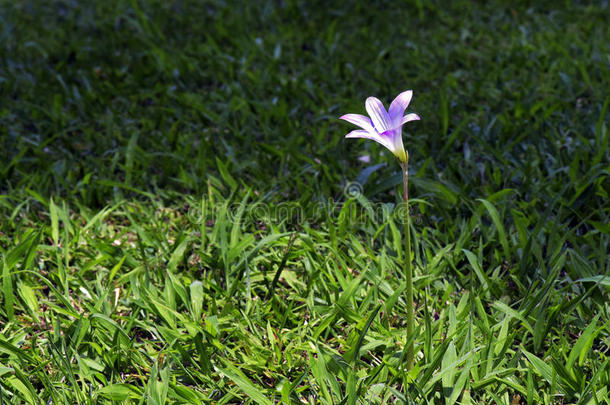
(408,270)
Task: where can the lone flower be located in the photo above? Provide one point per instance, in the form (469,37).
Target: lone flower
(384,126)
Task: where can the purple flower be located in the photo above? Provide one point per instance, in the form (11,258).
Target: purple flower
(384,126)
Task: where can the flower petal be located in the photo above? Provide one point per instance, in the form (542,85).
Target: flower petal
(379,116)
(409,117)
(360,133)
(384,140)
(399,105)
(393,137)
(360,120)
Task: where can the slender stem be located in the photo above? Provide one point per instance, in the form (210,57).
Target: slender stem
(408,270)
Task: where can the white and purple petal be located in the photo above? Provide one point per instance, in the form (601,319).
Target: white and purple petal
(398,107)
(384,140)
(379,116)
(409,117)
(393,138)
(360,120)
(360,133)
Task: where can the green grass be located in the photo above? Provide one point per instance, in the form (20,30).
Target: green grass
(176,226)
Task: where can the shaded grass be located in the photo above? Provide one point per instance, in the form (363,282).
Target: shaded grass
(175,226)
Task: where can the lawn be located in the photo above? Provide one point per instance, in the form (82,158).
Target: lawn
(183,221)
